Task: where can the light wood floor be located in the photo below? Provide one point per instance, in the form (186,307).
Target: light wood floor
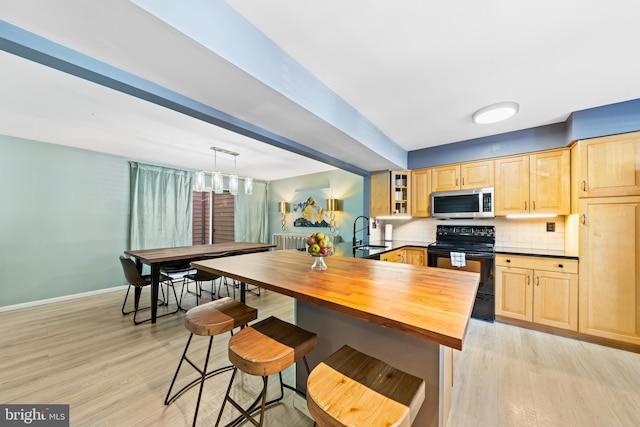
(84,353)
(511,376)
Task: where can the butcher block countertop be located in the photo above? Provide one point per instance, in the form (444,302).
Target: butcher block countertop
(429,303)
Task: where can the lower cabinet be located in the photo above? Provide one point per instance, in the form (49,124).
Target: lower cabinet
(393,256)
(415,256)
(610,268)
(536,289)
(407,255)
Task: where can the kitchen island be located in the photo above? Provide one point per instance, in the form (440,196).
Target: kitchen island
(410,317)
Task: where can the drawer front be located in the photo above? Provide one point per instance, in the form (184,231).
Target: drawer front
(558,265)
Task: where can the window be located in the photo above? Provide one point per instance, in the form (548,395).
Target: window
(201,218)
(213,217)
(223,221)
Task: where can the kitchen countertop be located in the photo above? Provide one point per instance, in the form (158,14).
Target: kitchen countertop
(346,248)
(428,303)
(547,253)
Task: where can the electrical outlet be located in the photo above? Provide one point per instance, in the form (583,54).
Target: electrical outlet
(551,227)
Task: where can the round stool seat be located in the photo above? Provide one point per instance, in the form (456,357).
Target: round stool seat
(269,346)
(219,316)
(210,319)
(352,389)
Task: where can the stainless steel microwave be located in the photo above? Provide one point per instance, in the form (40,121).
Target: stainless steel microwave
(476,203)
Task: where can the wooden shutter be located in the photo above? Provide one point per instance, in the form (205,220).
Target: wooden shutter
(201,218)
(223,222)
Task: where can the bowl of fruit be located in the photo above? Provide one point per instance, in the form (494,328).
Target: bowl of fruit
(319,246)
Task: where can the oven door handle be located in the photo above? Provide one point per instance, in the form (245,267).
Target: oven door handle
(484,255)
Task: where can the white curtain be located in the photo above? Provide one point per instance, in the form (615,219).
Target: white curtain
(251,214)
(161,208)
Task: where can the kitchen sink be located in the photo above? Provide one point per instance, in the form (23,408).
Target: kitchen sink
(368,247)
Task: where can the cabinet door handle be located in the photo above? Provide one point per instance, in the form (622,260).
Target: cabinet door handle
(584,219)
(525,205)
(462,180)
(533,205)
(560,266)
(528,280)
(456,181)
(584,185)
(537,280)
(508,260)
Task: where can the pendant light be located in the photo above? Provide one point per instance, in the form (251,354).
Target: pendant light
(248,186)
(217,180)
(233,179)
(216,176)
(199,182)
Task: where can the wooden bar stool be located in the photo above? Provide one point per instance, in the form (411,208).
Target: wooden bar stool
(262,349)
(353,389)
(210,319)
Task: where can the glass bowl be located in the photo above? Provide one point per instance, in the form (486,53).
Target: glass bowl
(319,246)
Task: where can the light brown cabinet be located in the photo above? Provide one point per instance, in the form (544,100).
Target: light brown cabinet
(610,268)
(407,255)
(390,193)
(538,290)
(415,256)
(606,188)
(380,198)
(421,193)
(535,183)
(393,256)
(400,193)
(462,176)
(608,166)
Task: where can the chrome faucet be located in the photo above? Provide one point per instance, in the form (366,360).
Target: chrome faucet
(355,222)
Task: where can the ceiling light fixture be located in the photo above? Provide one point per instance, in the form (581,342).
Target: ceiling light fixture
(199,184)
(217,183)
(216,175)
(496,112)
(248,186)
(233,179)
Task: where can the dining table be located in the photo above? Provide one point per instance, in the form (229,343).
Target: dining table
(412,317)
(160,258)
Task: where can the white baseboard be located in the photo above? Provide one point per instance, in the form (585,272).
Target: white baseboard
(62,298)
(300,403)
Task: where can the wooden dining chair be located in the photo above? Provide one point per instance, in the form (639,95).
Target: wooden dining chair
(138,281)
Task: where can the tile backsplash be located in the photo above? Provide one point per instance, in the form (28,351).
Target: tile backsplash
(519,233)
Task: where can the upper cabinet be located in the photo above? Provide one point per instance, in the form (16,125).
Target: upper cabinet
(476,174)
(401,193)
(608,166)
(462,176)
(380,203)
(535,183)
(512,185)
(390,193)
(421,193)
(445,178)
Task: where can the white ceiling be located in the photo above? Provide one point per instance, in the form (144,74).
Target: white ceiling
(416,70)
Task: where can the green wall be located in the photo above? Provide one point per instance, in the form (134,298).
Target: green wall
(342,185)
(64,217)
(63,220)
